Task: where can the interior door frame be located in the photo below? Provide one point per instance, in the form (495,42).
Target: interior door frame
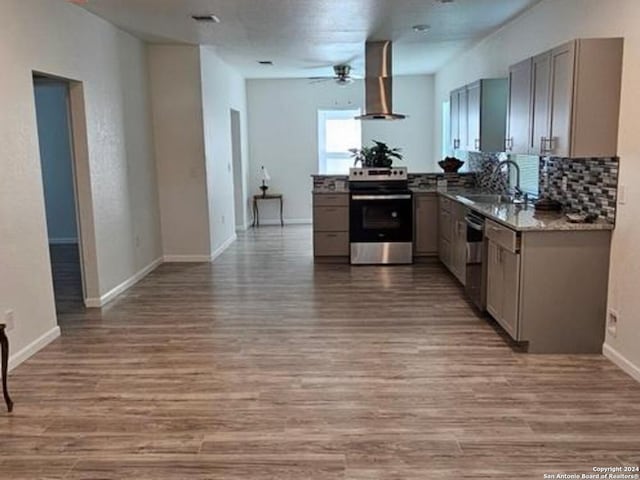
(83,198)
(238,173)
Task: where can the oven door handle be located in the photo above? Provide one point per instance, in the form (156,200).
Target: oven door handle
(381,197)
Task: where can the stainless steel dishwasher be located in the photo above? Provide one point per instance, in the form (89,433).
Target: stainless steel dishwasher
(476,285)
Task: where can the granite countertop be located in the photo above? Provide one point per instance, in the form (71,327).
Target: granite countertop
(433,189)
(524,218)
(322,190)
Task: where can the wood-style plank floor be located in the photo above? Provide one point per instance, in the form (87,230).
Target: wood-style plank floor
(263,365)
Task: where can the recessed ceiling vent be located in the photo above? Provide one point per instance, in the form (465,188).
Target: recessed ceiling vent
(209,18)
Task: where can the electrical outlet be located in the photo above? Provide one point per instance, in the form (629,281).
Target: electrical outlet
(565,181)
(9,320)
(612,323)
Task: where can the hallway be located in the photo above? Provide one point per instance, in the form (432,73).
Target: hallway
(263,365)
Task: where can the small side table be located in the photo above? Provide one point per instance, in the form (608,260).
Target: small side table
(4,346)
(268,196)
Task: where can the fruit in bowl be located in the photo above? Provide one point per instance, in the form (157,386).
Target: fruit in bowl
(450,164)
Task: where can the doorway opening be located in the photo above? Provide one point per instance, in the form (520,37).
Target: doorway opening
(240,206)
(62,142)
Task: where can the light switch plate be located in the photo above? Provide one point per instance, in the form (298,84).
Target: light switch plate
(612,322)
(622,194)
(9,320)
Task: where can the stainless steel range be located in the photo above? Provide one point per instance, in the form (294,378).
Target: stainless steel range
(380,216)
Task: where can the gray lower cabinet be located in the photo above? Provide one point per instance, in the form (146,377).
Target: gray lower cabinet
(452,240)
(425,224)
(549,288)
(503,286)
(445,231)
(459,242)
(331,226)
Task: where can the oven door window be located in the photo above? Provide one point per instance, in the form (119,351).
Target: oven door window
(381,221)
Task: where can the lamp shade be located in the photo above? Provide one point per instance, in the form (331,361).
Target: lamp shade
(265,175)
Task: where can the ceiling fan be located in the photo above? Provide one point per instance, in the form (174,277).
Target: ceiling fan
(342,75)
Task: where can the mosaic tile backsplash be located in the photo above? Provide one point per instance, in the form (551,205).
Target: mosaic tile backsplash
(330,183)
(338,183)
(430,180)
(591,184)
(483,165)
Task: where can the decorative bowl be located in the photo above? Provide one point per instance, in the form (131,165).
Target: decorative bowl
(450,164)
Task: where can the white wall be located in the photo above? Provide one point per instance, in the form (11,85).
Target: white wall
(283,132)
(62,39)
(54,138)
(548,24)
(179,150)
(223,89)
(413,96)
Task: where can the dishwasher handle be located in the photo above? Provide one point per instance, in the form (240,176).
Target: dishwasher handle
(474,223)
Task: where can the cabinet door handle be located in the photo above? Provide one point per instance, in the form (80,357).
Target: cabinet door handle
(508,144)
(544,141)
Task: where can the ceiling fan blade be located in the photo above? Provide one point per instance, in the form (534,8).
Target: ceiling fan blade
(320,79)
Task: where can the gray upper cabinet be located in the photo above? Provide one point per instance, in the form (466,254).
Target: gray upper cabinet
(459,119)
(562,67)
(519,107)
(541,89)
(574,100)
(478,113)
(474,98)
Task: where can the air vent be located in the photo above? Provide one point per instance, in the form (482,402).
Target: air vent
(209,18)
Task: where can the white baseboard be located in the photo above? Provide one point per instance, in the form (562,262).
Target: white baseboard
(186,258)
(117,290)
(62,241)
(201,258)
(34,347)
(621,361)
(287,221)
(227,243)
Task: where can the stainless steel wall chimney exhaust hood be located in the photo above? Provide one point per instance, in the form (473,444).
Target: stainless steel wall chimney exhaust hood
(378,83)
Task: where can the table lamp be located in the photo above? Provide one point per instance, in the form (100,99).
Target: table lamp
(265,178)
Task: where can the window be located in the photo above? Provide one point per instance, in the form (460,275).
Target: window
(529,173)
(338,131)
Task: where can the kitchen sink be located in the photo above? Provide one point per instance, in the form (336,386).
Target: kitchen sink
(493,198)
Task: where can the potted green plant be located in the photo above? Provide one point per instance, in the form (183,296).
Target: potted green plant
(380,155)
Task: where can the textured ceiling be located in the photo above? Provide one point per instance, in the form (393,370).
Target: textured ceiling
(305,37)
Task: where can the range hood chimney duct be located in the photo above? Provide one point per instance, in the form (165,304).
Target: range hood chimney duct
(379,82)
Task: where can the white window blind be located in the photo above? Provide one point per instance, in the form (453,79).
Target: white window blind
(529,173)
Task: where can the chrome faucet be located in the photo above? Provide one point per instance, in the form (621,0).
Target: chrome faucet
(517,190)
